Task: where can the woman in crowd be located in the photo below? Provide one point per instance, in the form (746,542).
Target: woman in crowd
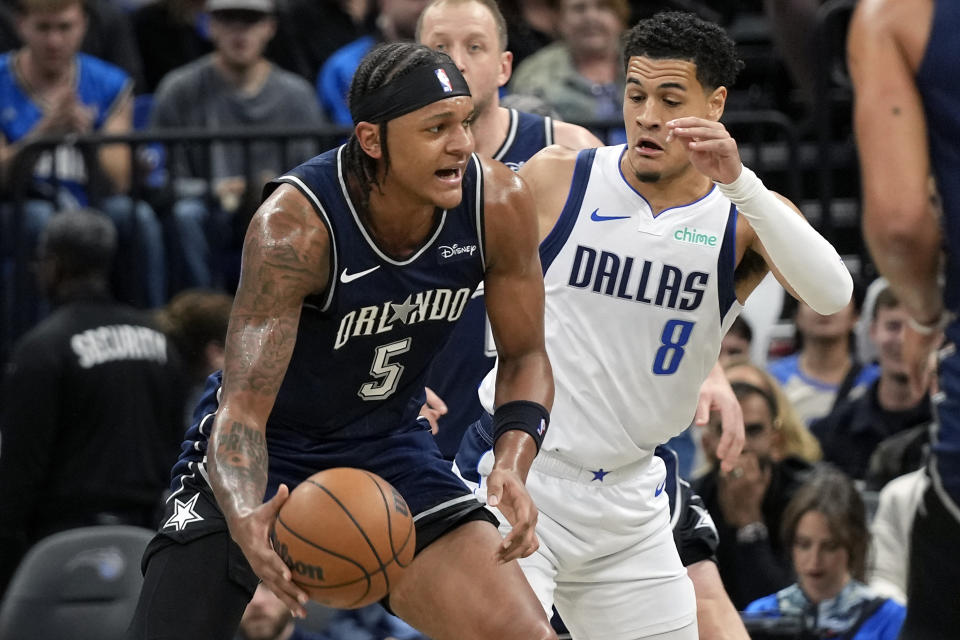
(825,526)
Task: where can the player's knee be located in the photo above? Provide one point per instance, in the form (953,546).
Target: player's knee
(534,630)
(546,632)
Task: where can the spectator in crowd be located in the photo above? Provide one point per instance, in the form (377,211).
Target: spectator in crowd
(582,75)
(892,404)
(234,87)
(825,528)
(92,403)
(825,369)
(48,88)
(791,438)
(899,454)
(747,503)
(395,22)
(109,35)
(896,507)
(309,31)
(736,343)
(196,321)
(531,25)
(170,34)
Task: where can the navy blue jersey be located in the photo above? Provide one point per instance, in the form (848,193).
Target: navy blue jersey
(937,82)
(363,345)
(470,353)
(527,134)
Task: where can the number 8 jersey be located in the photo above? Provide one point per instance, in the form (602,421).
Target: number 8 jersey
(659,287)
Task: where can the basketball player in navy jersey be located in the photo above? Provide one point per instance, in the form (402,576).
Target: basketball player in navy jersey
(903,60)
(474,34)
(649,250)
(346,293)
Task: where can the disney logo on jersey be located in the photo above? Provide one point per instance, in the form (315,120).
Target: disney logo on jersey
(514,166)
(453,252)
(629,278)
(441,305)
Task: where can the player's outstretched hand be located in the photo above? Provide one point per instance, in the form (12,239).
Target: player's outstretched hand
(710,147)
(433,409)
(507,492)
(717,395)
(252,533)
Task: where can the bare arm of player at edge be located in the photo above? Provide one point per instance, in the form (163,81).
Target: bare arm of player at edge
(885,47)
(513,290)
(285,258)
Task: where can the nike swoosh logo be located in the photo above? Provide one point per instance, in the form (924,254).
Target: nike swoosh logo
(350,277)
(659,489)
(596,217)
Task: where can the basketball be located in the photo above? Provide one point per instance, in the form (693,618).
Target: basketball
(346,535)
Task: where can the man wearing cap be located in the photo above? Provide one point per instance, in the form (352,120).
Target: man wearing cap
(355,270)
(234,87)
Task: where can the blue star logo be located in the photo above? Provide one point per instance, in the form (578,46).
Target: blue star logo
(599,474)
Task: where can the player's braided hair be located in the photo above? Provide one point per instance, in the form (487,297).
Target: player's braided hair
(383,64)
(678,35)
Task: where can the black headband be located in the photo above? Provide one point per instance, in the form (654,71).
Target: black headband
(418,88)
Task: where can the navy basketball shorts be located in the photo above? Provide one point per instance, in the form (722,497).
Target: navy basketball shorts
(438,500)
(934,611)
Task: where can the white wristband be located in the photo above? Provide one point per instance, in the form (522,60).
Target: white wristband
(806,260)
(937,326)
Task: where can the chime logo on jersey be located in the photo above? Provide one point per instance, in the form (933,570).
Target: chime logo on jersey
(694,236)
(444,80)
(629,278)
(435,304)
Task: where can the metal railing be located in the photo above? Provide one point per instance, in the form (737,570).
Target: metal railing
(768,142)
(148,179)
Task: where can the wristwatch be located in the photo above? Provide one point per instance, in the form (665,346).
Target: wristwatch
(752,532)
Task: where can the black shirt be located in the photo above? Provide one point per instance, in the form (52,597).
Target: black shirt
(852,431)
(91,420)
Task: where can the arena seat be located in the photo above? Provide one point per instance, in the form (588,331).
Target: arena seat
(81,584)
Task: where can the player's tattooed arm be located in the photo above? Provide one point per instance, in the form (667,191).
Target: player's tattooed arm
(285,258)
(243,450)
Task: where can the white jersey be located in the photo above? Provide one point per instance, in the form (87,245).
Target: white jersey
(636,306)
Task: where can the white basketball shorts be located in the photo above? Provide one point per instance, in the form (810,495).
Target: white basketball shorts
(607,559)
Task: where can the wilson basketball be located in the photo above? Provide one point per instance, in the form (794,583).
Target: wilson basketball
(346,535)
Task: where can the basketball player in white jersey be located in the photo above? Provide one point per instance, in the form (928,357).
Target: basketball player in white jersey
(474,34)
(649,250)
